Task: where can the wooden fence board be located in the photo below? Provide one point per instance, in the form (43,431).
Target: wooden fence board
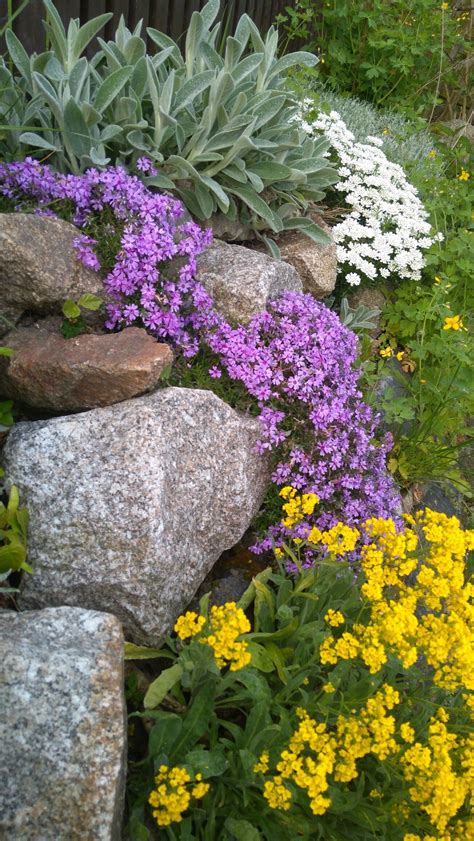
(170,16)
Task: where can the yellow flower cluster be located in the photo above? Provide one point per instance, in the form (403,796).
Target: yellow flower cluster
(173,794)
(314,753)
(465,175)
(420,604)
(334,618)
(340,539)
(226,623)
(436,786)
(189,625)
(297,505)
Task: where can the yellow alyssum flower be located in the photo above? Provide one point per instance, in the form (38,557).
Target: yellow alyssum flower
(261,767)
(453,323)
(328,688)
(297,506)
(407,733)
(277,795)
(444,7)
(386,352)
(334,618)
(464,175)
(173,794)
(226,623)
(340,539)
(189,625)
(400,355)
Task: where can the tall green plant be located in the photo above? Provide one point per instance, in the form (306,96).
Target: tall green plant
(218,124)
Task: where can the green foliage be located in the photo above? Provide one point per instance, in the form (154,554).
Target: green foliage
(74,323)
(13,535)
(360,318)
(218,127)
(396,53)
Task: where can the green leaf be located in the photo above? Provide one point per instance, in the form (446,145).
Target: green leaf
(209,763)
(12,556)
(161,686)
(271,171)
(70,309)
(308,227)
(6,351)
(18,55)
(192,89)
(90,301)
(76,132)
(261,660)
(196,721)
(37,142)
(242,830)
(164,733)
(85,35)
(111,87)
(283,64)
(258,205)
(209,13)
(161,181)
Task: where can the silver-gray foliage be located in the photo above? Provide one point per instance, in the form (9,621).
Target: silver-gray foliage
(218,124)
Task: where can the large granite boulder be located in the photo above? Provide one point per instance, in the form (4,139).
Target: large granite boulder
(38,267)
(130,506)
(63,727)
(50,372)
(243,281)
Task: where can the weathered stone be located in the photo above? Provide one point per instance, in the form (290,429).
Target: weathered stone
(130,506)
(51,372)
(315,264)
(38,266)
(63,726)
(242,281)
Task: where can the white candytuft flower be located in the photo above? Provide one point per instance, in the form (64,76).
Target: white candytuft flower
(387,229)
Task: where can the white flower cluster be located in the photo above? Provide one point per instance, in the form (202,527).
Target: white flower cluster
(387,228)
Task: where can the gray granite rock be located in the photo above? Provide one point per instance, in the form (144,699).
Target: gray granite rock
(38,266)
(242,281)
(63,727)
(130,506)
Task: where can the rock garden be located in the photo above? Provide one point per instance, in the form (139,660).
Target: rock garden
(236,430)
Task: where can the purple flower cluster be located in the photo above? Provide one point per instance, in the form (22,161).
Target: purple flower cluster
(153,277)
(296,359)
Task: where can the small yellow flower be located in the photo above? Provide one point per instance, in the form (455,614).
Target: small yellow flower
(189,625)
(386,131)
(334,618)
(407,733)
(400,355)
(444,7)
(453,323)
(328,687)
(261,767)
(432,154)
(464,175)
(278,553)
(386,352)
(437,279)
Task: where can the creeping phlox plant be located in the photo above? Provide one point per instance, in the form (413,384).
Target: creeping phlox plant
(296,360)
(146,230)
(386,230)
(350,714)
